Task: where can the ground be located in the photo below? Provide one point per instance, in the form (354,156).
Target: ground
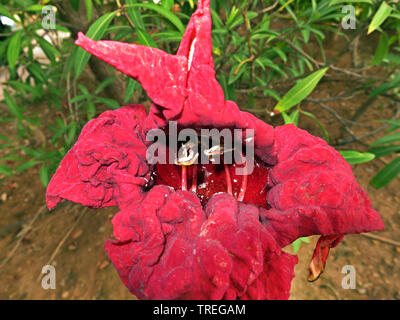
(71,238)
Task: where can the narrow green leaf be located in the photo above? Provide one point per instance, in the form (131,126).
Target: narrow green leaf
(111,103)
(44,175)
(387,139)
(105,83)
(145,38)
(134,15)
(386,87)
(6,170)
(381,50)
(26,165)
(79,97)
(333,2)
(300,91)
(72,129)
(387,174)
(297,243)
(324,132)
(354,157)
(5,12)
(50,51)
(96,31)
(89,9)
(12,106)
(75,4)
(91,110)
(171,17)
(384,150)
(14,49)
(167,4)
(131,87)
(379,17)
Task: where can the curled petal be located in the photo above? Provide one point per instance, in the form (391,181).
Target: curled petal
(169,248)
(107,164)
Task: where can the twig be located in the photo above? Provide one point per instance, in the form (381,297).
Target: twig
(22,235)
(61,243)
(339,118)
(373,132)
(272,7)
(381,239)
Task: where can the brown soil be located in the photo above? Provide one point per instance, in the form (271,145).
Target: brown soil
(85,272)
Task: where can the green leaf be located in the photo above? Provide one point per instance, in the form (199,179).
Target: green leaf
(381,50)
(162,11)
(89,9)
(96,31)
(91,110)
(235,74)
(354,157)
(6,170)
(293,118)
(75,4)
(300,91)
(145,38)
(80,97)
(386,86)
(72,129)
(24,87)
(131,87)
(5,12)
(134,15)
(167,4)
(44,175)
(14,48)
(333,2)
(387,174)
(105,83)
(50,51)
(12,106)
(297,243)
(26,165)
(111,103)
(35,8)
(387,139)
(384,150)
(379,17)
(324,132)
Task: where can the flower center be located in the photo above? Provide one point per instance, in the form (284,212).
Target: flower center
(208,179)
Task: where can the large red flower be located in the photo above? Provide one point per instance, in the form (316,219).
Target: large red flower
(222,239)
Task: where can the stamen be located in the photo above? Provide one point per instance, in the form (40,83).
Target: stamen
(194,179)
(184,178)
(243,187)
(228,179)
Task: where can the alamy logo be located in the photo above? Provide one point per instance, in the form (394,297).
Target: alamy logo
(49,19)
(349,280)
(349,20)
(49,278)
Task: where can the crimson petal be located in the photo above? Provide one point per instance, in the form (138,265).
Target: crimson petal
(169,248)
(106,166)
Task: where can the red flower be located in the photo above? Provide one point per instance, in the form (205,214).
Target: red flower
(205,243)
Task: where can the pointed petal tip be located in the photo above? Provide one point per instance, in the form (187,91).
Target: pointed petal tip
(82,40)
